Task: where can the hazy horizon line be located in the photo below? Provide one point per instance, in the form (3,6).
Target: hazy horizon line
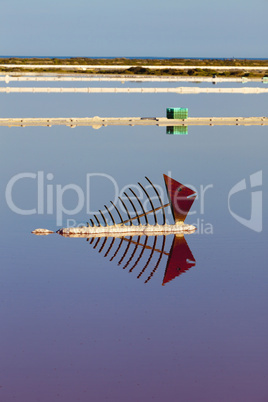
(137,57)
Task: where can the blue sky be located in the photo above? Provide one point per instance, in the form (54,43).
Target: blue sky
(192,28)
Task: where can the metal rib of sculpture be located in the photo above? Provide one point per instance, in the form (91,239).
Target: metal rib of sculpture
(180,197)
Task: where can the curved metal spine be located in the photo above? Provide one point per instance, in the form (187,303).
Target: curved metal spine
(91,241)
(125,252)
(151,203)
(109,212)
(149,259)
(92,223)
(118,248)
(161,203)
(97,242)
(111,245)
(103,217)
(120,216)
(133,206)
(97,220)
(141,253)
(133,253)
(103,244)
(159,259)
(139,201)
(127,211)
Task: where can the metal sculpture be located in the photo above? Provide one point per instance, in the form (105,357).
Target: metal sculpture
(180,197)
(126,235)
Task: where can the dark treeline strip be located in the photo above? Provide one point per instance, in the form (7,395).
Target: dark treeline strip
(134,62)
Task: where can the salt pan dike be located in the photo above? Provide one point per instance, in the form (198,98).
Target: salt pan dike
(179,90)
(31,77)
(98,122)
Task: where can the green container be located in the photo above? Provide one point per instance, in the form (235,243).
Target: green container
(177,113)
(265,80)
(177,130)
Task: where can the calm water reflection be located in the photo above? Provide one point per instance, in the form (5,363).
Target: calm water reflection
(73,326)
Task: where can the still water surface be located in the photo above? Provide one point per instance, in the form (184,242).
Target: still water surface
(76,326)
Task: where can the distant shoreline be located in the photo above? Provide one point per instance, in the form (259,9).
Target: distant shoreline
(220,68)
(130,58)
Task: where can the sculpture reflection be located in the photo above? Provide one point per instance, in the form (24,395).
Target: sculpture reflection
(143,255)
(180,259)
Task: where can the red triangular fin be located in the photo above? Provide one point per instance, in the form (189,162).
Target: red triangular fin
(180,197)
(180,259)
